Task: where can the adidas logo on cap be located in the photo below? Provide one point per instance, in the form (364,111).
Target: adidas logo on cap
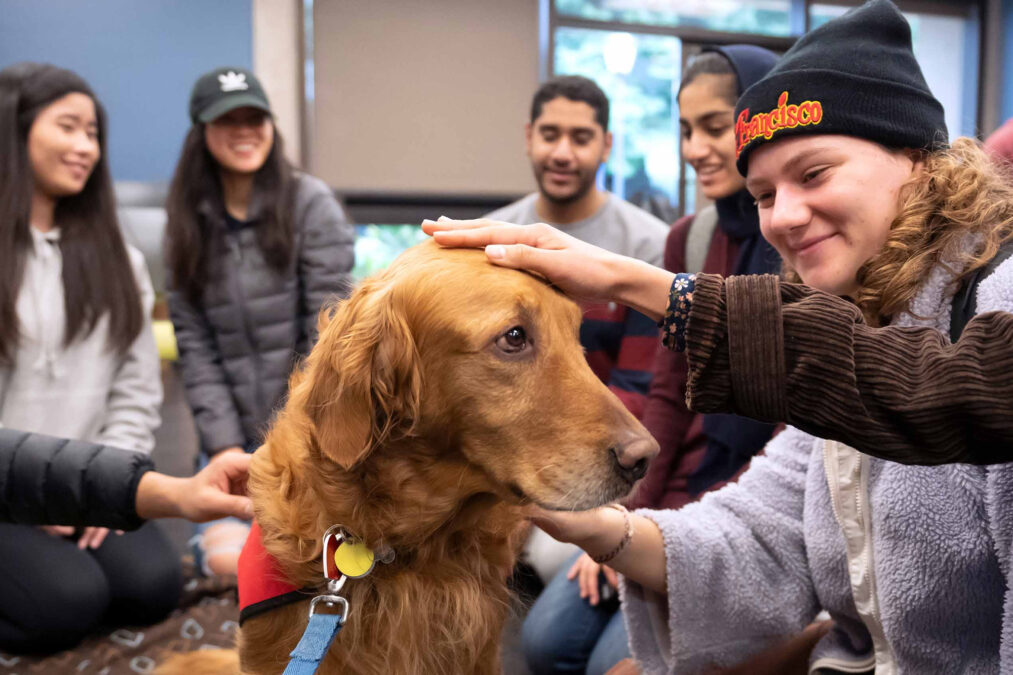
(233,81)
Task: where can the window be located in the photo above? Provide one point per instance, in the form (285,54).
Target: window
(763,17)
(635,50)
(638,73)
(376,246)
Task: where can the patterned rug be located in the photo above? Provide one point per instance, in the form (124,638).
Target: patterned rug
(207,617)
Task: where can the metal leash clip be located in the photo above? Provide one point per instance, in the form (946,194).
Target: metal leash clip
(344,558)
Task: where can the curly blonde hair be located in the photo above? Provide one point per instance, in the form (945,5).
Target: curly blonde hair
(960,192)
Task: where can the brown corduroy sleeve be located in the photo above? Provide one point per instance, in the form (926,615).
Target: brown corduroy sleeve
(787,353)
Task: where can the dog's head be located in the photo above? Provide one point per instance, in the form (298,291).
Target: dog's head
(477,361)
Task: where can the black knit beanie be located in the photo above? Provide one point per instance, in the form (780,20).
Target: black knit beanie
(855,75)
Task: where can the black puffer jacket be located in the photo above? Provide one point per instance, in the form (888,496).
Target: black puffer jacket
(237,348)
(53,481)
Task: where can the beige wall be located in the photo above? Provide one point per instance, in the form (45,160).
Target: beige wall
(278,64)
(424,96)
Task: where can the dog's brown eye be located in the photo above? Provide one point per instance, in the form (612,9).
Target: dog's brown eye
(513,341)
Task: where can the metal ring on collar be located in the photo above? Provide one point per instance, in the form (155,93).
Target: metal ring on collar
(331,601)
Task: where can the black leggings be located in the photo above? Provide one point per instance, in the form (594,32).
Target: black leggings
(52,594)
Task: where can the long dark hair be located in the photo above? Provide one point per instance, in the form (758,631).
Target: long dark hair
(191,241)
(97,276)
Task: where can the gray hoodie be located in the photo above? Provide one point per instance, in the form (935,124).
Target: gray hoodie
(84,390)
(912,563)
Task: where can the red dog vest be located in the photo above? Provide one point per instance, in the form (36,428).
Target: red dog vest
(262,586)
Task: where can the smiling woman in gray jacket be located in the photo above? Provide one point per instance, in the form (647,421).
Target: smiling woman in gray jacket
(253,250)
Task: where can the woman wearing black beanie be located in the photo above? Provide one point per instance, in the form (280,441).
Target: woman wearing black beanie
(843,146)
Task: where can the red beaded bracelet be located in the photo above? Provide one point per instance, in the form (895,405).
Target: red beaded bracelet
(624,542)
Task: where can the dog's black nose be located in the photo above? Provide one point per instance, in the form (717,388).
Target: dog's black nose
(631,473)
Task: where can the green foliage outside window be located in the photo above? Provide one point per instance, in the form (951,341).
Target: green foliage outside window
(376,246)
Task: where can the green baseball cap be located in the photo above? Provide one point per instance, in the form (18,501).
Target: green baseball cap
(225,89)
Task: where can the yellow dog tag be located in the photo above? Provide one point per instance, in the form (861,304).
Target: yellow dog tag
(353,559)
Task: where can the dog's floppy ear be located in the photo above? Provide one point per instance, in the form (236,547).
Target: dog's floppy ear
(365,382)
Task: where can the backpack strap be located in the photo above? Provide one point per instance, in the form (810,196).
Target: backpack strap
(965,302)
(698,241)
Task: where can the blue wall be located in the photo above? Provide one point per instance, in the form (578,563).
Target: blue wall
(140,56)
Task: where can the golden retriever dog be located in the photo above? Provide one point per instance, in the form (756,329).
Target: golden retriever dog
(444,395)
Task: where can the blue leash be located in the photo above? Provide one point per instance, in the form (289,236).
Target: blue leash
(320,633)
(318,636)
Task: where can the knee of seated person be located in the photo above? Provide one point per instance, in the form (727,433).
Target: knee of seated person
(71,608)
(150,593)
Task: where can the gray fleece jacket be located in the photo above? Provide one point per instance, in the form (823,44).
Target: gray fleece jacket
(238,346)
(920,584)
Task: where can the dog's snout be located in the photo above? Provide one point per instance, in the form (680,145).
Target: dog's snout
(632,457)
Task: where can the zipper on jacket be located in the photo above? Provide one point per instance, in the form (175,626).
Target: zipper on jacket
(886,662)
(856,527)
(258,393)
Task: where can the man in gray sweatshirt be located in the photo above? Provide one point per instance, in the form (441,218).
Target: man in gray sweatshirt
(567,139)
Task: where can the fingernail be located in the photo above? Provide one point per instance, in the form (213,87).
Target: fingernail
(428,222)
(442,218)
(495,251)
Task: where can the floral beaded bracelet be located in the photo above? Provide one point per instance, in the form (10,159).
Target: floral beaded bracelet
(624,542)
(680,300)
